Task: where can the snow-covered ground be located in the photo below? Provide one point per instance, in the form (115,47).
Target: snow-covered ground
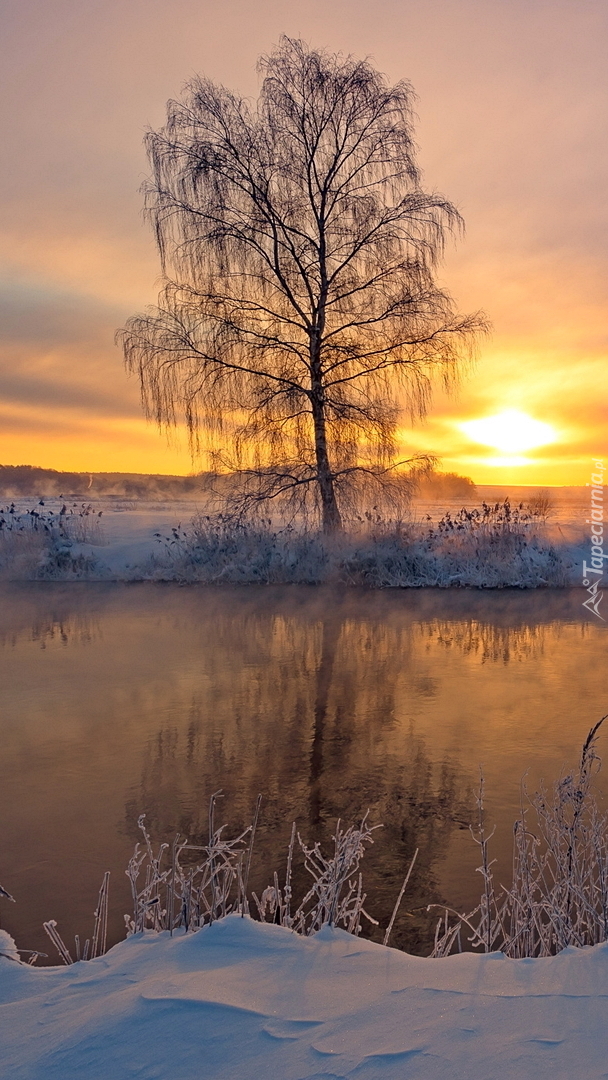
(242,1000)
(132,540)
(121,544)
(129,544)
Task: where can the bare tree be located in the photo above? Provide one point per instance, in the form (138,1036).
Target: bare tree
(299,314)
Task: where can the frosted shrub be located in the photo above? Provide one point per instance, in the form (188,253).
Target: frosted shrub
(336,895)
(22,545)
(559,891)
(216,550)
(93,946)
(493,547)
(173,895)
(37,543)
(558,895)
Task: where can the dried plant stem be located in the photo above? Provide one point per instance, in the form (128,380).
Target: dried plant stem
(100,930)
(245,905)
(52,931)
(399,899)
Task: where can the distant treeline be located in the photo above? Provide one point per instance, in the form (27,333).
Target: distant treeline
(29,480)
(438,485)
(23,480)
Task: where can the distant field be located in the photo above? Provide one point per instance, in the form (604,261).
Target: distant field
(128,491)
(569,504)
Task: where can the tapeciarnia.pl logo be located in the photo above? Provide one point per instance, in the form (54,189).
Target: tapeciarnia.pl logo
(593,573)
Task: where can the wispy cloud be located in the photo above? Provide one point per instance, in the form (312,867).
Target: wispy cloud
(512,126)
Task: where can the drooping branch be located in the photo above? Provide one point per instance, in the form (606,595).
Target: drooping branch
(298,250)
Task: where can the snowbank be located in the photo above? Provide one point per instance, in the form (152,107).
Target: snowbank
(242,1000)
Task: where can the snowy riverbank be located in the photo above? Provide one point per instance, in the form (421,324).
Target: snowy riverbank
(138,541)
(242,1000)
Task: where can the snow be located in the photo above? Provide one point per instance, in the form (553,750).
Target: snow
(8,947)
(135,553)
(145,541)
(129,544)
(241,1000)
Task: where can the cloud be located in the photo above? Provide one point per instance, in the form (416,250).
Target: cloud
(57,349)
(512,126)
(40,313)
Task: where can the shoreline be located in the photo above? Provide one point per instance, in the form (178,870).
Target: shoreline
(241,999)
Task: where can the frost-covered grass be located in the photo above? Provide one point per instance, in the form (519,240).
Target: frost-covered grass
(39,544)
(559,891)
(558,896)
(200,991)
(186,886)
(493,547)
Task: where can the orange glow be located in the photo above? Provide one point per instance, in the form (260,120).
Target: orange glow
(73,444)
(511,128)
(511,431)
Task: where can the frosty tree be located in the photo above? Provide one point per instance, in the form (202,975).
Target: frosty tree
(299,314)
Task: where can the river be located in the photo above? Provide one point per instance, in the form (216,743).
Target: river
(118,700)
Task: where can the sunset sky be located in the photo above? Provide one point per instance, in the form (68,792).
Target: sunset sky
(512,106)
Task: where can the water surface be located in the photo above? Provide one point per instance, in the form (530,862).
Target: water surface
(123,699)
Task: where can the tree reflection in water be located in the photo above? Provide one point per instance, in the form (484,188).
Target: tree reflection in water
(328,701)
(329,748)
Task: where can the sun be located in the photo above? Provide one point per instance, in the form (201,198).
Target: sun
(511,431)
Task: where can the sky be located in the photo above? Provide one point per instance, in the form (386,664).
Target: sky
(512,127)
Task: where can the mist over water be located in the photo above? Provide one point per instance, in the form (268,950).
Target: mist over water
(118,700)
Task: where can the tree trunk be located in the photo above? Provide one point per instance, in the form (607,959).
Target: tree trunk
(332,521)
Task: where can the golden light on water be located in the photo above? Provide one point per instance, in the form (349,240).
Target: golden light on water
(511,431)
